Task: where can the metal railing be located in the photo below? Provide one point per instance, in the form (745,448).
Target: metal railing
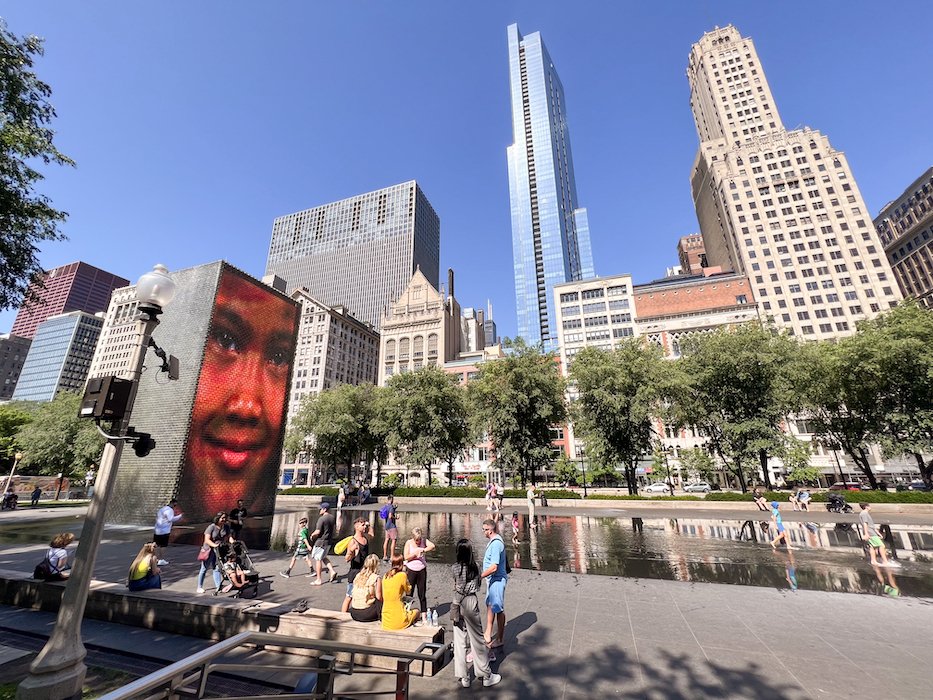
(189,677)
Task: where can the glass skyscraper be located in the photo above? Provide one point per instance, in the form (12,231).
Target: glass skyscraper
(550,233)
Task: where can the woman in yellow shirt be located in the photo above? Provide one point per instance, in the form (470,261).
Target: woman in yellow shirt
(394,586)
(144,572)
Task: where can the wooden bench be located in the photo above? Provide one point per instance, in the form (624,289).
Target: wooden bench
(217,618)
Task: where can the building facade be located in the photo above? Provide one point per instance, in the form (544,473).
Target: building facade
(550,232)
(13,351)
(360,252)
(692,254)
(905,227)
(118,337)
(333,348)
(73,287)
(59,357)
(779,206)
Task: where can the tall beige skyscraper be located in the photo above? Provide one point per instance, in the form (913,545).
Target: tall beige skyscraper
(779,206)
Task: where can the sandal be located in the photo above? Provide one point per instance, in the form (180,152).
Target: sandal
(315,583)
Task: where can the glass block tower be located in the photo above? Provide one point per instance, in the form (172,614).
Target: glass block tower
(550,232)
(780,206)
(360,252)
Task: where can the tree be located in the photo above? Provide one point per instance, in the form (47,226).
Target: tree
(796,456)
(619,394)
(736,389)
(566,471)
(332,426)
(12,417)
(517,400)
(697,463)
(56,440)
(426,415)
(26,217)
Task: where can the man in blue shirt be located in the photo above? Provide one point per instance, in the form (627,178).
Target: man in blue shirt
(495,573)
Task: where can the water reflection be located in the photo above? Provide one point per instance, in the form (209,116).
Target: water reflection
(824,557)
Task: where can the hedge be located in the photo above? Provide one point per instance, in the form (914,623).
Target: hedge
(627,497)
(428,492)
(822,497)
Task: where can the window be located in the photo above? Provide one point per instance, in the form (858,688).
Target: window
(592,293)
(568,296)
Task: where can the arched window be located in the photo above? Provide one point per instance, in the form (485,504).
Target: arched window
(390,351)
(418,348)
(432,345)
(404,350)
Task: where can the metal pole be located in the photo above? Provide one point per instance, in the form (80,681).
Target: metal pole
(583,467)
(57,673)
(9,480)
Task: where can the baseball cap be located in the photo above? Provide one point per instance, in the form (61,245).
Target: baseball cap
(325,506)
(774,504)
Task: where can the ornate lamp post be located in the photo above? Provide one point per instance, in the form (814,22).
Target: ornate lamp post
(58,671)
(17,458)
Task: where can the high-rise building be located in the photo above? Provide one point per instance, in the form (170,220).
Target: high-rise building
(73,287)
(550,232)
(692,254)
(13,351)
(359,253)
(905,227)
(59,357)
(779,206)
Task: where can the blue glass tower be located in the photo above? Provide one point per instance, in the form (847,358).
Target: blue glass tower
(550,233)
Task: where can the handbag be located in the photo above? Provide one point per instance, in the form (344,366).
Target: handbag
(204,553)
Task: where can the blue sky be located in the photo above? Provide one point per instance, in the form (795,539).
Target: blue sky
(195,124)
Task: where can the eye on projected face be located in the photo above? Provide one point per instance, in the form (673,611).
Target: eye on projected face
(239,407)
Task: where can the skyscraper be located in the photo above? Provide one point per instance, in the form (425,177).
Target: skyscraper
(361,252)
(550,233)
(779,206)
(73,287)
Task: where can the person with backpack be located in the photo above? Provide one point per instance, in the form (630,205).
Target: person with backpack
(389,514)
(54,567)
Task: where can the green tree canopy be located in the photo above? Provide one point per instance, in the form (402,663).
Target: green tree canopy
(698,464)
(620,394)
(736,389)
(426,416)
(516,400)
(56,440)
(566,471)
(12,417)
(26,217)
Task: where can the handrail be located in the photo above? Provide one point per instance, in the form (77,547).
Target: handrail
(173,675)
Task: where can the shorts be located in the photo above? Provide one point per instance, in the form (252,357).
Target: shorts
(392,533)
(876,542)
(318,553)
(495,595)
(160,540)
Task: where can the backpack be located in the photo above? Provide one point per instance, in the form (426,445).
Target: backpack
(384,513)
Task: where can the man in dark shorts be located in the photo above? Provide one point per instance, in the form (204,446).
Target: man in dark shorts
(322,536)
(357,551)
(389,513)
(165,518)
(236,518)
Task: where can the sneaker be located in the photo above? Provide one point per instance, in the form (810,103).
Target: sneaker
(465,682)
(161,562)
(284,573)
(492,680)
(200,590)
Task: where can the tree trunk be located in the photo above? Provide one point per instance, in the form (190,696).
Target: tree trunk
(450,472)
(430,476)
(739,472)
(861,459)
(630,480)
(763,458)
(926,470)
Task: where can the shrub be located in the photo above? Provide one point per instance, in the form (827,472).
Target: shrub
(309,491)
(627,497)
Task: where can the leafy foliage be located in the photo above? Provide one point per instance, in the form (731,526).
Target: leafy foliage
(517,400)
(12,417)
(566,471)
(620,394)
(56,440)
(697,463)
(26,217)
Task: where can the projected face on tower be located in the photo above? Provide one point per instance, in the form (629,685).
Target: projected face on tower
(237,422)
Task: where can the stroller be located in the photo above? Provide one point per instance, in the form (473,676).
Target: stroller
(237,553)
(837,504)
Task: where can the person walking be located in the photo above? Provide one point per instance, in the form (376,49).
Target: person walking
(341,496)
(395,616)
(302,548)
(357,554)
(165,518)
(389,514)
(468,620)
(494,571)
(873,539)
(36,495)
(780,532)
(144,571)
(322,535)
(214,535)
(237,518)
(531,493)
(416,566)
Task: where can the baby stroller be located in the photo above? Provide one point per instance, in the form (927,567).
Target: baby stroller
(837,504)
(237,555)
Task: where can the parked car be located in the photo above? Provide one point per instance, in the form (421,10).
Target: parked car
(918,485)
(657,487)
(699,487)
(846,486)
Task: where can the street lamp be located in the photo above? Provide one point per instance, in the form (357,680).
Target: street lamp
(17,458)
(583,469)
(58,671)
